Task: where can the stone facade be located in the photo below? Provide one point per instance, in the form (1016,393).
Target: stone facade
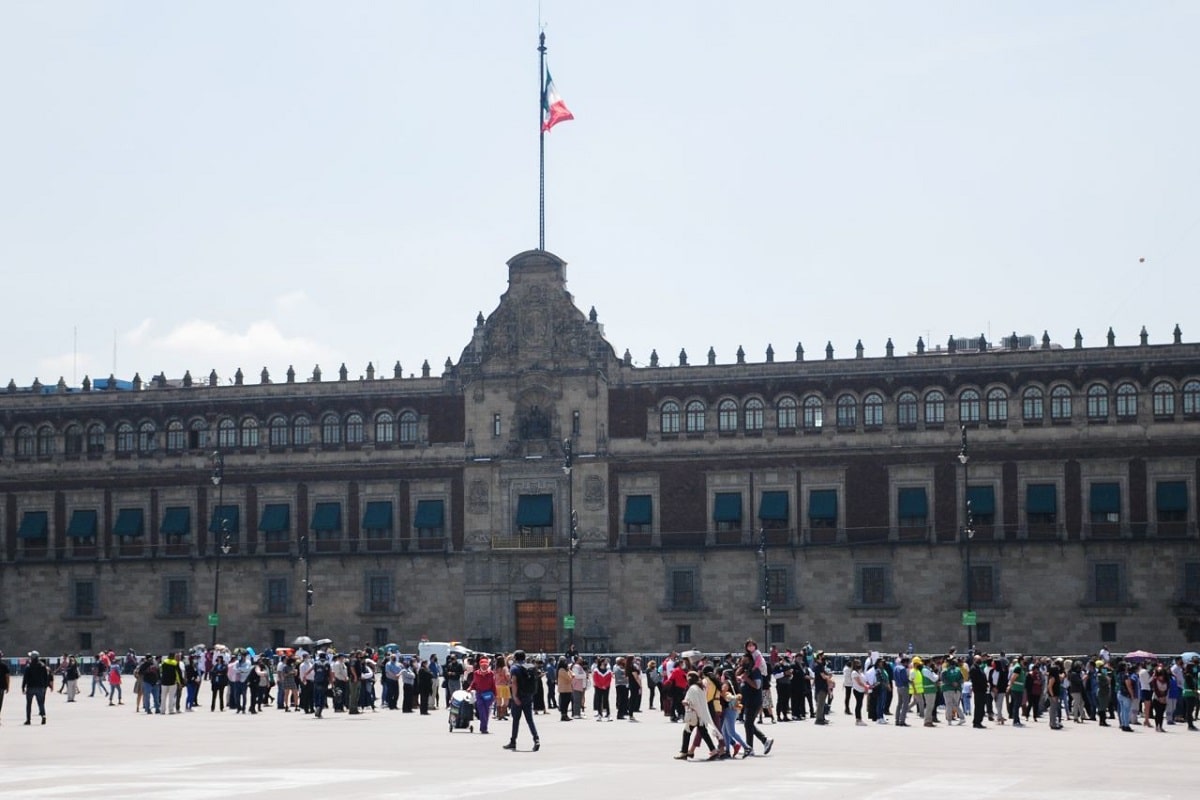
(443,506)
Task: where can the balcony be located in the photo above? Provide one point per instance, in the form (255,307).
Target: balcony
(524,541)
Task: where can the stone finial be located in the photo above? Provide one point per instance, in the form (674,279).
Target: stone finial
(889,349)
(160,380)
(1078,339)
(1178,334)
(858,349)
(654,358)
(627,359)
(187,379)
(712,356)
(1045,340)
(1014,342)
(741,355)
(36,386)
(112,382)
(425,369)
(370,370)
(316,373)
(829,351)
(951,346)
(920,346)
(291,374)
(264,376)
(799,351)
(448,367)
(397,370)
(593,316)
(479,320)
(770,354)
(12,386)
(1112,338)
(212,378)
(1144,337)
(343,373)
(87,383)
(137,381)
(682,357)
(61,386)
(983,345)
(239,378)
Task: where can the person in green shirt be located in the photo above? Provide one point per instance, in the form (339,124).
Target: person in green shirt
(1104,688)
(952,683)
(1016,691)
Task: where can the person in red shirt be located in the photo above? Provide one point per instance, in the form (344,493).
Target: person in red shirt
(601,684)
(482,681)
(676,683)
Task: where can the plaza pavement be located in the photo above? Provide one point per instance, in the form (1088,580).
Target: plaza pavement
(89,749)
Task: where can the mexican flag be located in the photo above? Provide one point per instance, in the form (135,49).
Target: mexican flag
(554,110)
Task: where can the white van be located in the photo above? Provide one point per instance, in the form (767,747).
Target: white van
(441,650)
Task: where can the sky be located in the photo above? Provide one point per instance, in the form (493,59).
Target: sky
(223,185)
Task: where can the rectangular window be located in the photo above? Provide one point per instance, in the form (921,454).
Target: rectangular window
(85,641)
(429,520)
(277,595)
(912,507)
(535,514)
(639,513)
(1041,505)
(574,423)
(1106,583)
(683,588)
(1171,501)
(276,522)
(278,637)
(177,596)
(379,594)
(823,508)
(983,631)
(1105,503)
(778,633)
(495,426)
(982,500)
(380,635)
(773,511)
(874,631)
(84,599)
(778,585)
(178,640)
(983,584)
(683,634)
(872,585)
(1108,632)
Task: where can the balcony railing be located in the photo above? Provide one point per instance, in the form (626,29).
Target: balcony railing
(524,541)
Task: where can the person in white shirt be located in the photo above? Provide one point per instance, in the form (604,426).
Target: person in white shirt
(304,674)
(847,683)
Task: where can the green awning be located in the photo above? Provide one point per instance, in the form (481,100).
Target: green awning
(327,517)
(430,514)
(535,511)
(912,503)
(177,521)
(727,507)
(34,525)
(130,522)
(1171,496)
(822,504)
(83,524)
(1041,498)
(230,516)
(276,518)
(639,510)
(378,516)
(773,506)
(982,499)
(1106,498)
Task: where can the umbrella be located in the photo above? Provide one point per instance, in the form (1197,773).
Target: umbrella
(303,641)
(1188,656)
(1140,655)
(323,642)
(692,654)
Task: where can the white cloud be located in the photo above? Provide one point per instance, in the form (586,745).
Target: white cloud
(139,334)
(261,343)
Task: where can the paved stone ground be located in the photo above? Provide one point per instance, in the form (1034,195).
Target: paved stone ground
(90,749)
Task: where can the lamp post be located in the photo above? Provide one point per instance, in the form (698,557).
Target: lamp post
(968,534)
(308,587)
(766,594)
(222,548)
(572,540)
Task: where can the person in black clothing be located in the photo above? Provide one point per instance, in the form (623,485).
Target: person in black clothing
(34,684)
(979,689)
(524,684)
(452,676)
(4,679)
(424,686)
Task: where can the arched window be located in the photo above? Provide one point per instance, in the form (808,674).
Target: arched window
(727,416)
(23,442)
(968,406)
(906,410)
(935,408)
(331,429)
(785,414)
(1164,399)
(45,441)
(668,417)
(277,431)
(176,436)
(1033,405)
(95,439)
(754,414)
(408,427)
(1060,404)
(354,428)
(1097,403)
(226,434)
(1127,401)
(873,410)
(694,417)
(198,436)
(997,405)
(814,413)
(847,411)
(249,432)
(73,439)
(385,428)
(147,440)
(1191,398)
(301,431)
(125,438)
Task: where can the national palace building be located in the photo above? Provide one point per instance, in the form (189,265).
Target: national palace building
(813,496)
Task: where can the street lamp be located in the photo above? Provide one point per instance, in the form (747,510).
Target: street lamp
(308,587)
(572,541)
(766,593)
(222,548)
(968,535)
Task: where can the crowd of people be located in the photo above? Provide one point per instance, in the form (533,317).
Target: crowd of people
(708,695)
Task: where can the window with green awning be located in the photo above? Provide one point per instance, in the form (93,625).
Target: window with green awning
(83,524)
(1171,501)
(34,525)
(378,516)
(535,511)
(276,518)
(912,506)
(822,507)
(773,507)
(431,515)
(130,522)
(727,507)
(1105,498)
(327,518)
(177,521)
(225,519)
(639,510)
(982,500)
(1041,498)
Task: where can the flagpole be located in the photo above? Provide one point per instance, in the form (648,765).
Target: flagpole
(542,141)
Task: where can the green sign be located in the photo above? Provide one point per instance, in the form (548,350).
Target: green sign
(569,622)
(213,619)
(969,618)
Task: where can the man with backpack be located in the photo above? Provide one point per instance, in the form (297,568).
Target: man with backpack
(524,684)
(320,683)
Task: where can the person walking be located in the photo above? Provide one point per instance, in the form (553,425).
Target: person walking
(320,680)
(171,678)
(524,684)
(482,681)
(424,687)
(749,676)
(1016,691)
(36,681)
(5,677)
(100,674)
(902,682)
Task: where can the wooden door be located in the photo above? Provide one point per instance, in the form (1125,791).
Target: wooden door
(537,626)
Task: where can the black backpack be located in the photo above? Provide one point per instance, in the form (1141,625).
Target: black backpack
(526,680)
